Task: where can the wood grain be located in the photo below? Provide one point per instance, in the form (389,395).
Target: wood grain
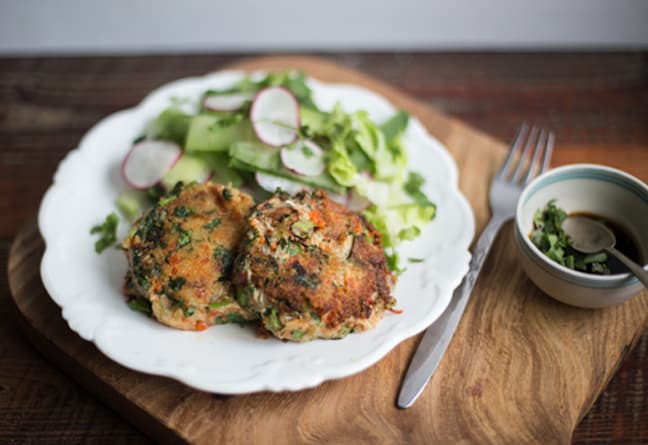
(521,368)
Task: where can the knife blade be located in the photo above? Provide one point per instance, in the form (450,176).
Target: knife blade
(437,337)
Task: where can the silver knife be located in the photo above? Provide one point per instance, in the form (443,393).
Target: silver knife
(438,335)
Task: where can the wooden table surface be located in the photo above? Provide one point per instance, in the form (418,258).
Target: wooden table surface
(597,104)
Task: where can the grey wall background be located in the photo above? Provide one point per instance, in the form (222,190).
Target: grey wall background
(149,26)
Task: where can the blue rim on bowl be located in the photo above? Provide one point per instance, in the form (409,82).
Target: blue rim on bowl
(569,173)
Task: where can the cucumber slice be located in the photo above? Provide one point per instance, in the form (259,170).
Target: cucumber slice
(188,169)
(207,133)
(256,157)
(132,203)
(222,173)
(313,119)
(170,125)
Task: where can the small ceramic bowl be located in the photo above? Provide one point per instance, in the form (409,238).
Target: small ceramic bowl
(596,189)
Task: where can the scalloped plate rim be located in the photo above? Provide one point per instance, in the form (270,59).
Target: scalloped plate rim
(367,359)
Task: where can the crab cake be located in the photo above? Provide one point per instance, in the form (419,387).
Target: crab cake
(311,268)
(181,251)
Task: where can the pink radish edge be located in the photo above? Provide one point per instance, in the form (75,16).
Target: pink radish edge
(290,164)
(297,115)
(208,102)
(151,183)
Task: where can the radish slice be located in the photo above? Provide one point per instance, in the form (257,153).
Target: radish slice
(357,202)
(270,183)
(275,116)
(226,102)
(304,158)
(148,161)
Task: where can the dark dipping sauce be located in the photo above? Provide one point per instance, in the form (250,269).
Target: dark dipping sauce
(625,243)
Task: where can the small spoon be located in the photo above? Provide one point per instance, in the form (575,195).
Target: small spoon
(589,236)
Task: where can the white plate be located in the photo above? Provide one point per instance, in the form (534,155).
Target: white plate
(230,359)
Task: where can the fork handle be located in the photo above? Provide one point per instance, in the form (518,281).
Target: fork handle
(438,335)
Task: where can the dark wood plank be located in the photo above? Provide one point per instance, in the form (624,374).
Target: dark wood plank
(597,103)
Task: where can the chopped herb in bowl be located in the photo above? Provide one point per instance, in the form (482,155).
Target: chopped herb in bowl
(549,237)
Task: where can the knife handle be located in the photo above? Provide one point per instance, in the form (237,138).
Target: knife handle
(438,335)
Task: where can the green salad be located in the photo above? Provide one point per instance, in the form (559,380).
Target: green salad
(268,133)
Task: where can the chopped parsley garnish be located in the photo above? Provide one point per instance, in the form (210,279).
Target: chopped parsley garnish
(189,311)
(307,151)
(227,194)
(415,260)
(184,237)
(140,304)
(173,194)
(182,211)
(218,304)
(211,225)
(392,262)
(274,319)
(108,232)
(235,318)
(242,297)
(550,238)
(176,283)
(155,193)
(297,334)
(230,318)
(413,188)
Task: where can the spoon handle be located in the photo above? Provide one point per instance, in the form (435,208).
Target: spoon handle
(636,269)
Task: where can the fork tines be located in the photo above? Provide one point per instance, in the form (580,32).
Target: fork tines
(523,143)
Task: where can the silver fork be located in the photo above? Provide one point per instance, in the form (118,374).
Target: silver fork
(504,192)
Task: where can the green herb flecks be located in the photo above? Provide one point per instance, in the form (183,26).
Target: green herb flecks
(393,261)
(273,319)
(211,225)
(172,195)
(182,212)
(303,228)
(297,335)
(242,297)
(155,193)
(413,188)
(344,331)
(230,318)
(307,151)
(311,281)
(415,260)
(140,304)
(227,194)
(184,237)
(188,311)
(107,232)
(548,236)
(218,304)
(176,283)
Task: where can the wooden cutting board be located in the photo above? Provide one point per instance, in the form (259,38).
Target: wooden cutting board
(521,367)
